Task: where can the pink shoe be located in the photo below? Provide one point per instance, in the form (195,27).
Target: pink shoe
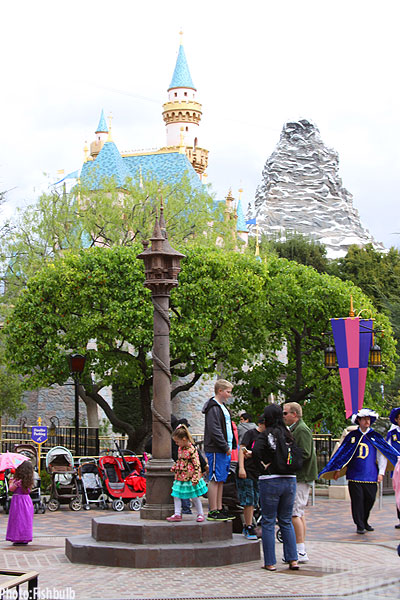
(175,518)
(200,518)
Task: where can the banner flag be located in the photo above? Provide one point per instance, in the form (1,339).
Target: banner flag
(251,222)
(353,340)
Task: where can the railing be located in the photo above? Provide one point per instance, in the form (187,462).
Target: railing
(59,436)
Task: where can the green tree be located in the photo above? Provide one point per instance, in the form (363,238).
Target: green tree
(301,249)
(109,217)
(98,294)
(378,275)
(291,365)
(11,390)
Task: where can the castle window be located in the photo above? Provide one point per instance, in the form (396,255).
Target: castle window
(187,128)
(185,93)
(175,94)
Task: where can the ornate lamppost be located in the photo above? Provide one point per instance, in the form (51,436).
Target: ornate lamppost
(76,364)
(162,265)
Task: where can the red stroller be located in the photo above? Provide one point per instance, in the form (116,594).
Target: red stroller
(123,480)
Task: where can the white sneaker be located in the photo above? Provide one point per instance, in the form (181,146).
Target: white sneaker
(303,558)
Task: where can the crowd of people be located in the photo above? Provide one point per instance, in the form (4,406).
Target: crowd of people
(276,466)
(275,463)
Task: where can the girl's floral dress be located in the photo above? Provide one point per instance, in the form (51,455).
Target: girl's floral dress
(188,480)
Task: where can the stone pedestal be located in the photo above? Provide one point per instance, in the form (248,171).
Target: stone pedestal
(125,541)
(159,480)
(339,492)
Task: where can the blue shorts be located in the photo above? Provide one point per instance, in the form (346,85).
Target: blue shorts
(247,491)
(219,464)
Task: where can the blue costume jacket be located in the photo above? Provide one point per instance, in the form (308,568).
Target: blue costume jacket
(393,437)
(362,457)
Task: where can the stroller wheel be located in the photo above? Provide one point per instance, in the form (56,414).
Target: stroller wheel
(53,505)
(75,504)
(103,501)
(42,508)
(118,505)
(86,506)
(135,504)
(279,536)
(35,508)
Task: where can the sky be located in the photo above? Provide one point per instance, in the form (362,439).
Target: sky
(256,65)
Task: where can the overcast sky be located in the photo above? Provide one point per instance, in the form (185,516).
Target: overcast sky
(256,65)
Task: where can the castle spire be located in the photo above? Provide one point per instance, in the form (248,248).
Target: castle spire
(101,136)
(102,126)
(182,112)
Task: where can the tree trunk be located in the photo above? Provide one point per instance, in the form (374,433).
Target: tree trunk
(91,410)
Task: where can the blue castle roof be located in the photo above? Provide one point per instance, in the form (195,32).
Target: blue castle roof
(241,221)
(167,167)
(102,126)
(181,77)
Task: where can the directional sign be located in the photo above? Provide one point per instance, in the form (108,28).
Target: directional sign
(39,435)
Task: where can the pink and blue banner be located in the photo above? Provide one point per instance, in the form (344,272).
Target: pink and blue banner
(353,340)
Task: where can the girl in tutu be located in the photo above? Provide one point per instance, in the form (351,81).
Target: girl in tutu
(20,519)
(188,480)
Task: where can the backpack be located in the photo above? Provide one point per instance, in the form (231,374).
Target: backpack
(288,457)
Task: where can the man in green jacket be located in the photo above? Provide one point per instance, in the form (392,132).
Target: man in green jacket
(292,415)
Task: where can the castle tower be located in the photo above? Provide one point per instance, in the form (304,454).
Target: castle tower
(101,136)
(182,115)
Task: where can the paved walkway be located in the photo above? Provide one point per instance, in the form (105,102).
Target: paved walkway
(343,564)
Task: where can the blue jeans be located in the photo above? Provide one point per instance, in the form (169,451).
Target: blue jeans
(276,498)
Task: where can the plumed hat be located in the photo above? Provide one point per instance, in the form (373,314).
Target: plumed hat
(394,413)
(364,412)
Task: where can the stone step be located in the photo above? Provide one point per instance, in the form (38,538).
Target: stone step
(124,528)
(84,549)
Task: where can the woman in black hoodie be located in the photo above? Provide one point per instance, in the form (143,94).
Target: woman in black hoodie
(277,490)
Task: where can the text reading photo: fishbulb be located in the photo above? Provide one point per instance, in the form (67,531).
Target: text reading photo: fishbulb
(47,593)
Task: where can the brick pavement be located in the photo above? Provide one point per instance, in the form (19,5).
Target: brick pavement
(343,564)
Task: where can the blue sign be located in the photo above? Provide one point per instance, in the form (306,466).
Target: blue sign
(39,435)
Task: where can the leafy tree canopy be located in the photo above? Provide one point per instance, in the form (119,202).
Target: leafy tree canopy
(291,366)
(299,248)
(108,217)
(217,316)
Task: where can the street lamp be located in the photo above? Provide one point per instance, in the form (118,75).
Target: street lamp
(76,364)
(161,265)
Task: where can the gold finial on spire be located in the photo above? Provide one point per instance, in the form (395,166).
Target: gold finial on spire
(351,313)
(240,190)
(110,118)
(257,252)
(180,36)
(140,177)
(85,152)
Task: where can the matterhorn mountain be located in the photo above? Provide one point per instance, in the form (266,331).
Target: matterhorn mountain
(302,192)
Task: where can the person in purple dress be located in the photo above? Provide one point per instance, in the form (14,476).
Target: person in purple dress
(20,519)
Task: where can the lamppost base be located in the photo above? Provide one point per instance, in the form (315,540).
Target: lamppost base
(159,503)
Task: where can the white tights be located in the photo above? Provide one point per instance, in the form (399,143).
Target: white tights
(197,504)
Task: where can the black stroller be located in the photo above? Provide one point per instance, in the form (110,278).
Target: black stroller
(90,484)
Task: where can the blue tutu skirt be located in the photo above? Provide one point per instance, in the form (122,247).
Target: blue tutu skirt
(186,489)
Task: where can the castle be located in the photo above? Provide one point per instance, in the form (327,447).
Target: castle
(181,156)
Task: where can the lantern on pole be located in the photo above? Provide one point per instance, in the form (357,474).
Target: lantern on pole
(161,265)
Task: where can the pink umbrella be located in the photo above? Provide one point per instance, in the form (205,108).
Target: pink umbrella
(11,460)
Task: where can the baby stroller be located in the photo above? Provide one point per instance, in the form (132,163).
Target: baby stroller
(64,480)
(90,484)
(4,493)
(30,451)
(124,481)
